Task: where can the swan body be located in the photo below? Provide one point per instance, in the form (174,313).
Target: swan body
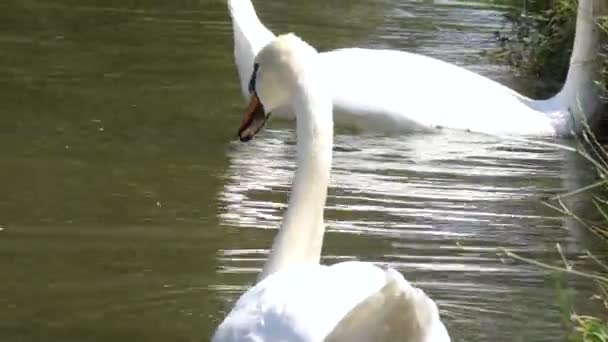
(297,298)
(311,303)
(409,100)
(397,91)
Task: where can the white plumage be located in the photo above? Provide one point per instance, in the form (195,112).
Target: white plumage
(395,91)
(308,303)
(297,299)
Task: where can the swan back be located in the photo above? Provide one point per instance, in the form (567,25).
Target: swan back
(310,303)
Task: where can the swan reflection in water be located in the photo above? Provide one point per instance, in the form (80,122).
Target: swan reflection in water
(434,206)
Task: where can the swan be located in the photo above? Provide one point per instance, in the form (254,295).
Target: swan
(296,298)
(395,91)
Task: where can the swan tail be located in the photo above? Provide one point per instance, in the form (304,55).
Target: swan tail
(250,36)
(397,312)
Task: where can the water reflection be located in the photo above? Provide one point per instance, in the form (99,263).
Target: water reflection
(435,206)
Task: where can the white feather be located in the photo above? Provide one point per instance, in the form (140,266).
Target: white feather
(308,303)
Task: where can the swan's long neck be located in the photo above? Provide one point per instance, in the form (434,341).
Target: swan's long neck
(579,95)
(300,237)
(250,36)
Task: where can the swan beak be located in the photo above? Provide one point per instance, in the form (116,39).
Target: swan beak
(253,119)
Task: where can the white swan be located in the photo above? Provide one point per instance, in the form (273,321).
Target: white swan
(297,299)
(392,91)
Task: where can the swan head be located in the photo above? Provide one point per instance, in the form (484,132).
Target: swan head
(279,69)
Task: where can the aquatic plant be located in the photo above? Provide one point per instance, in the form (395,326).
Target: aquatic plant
(540,44)
(584,328)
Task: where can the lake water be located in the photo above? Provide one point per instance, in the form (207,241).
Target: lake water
(129,212)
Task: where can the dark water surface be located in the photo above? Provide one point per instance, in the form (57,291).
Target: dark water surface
(128,212)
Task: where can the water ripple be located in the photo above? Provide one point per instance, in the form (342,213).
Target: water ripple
(437,207)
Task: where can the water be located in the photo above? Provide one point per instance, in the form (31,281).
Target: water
(128,212)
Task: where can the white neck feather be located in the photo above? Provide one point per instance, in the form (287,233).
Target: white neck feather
(250,36)
(579,95)
(300,237)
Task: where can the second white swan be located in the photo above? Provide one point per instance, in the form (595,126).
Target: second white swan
(297,299)
(396,91)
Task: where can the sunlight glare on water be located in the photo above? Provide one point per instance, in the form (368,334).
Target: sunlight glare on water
(437,207)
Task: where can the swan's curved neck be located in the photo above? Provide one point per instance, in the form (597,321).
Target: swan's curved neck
(579,95)
(250,36)
(300,237)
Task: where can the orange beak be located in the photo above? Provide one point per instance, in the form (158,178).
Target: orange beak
(253,120)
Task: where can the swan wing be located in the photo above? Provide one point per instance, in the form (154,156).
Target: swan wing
(397,312)
(303,303)
(307,303)
(389,90)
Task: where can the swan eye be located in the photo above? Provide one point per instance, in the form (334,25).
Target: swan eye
(256,66)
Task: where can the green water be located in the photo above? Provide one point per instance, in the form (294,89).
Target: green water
(128,212)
